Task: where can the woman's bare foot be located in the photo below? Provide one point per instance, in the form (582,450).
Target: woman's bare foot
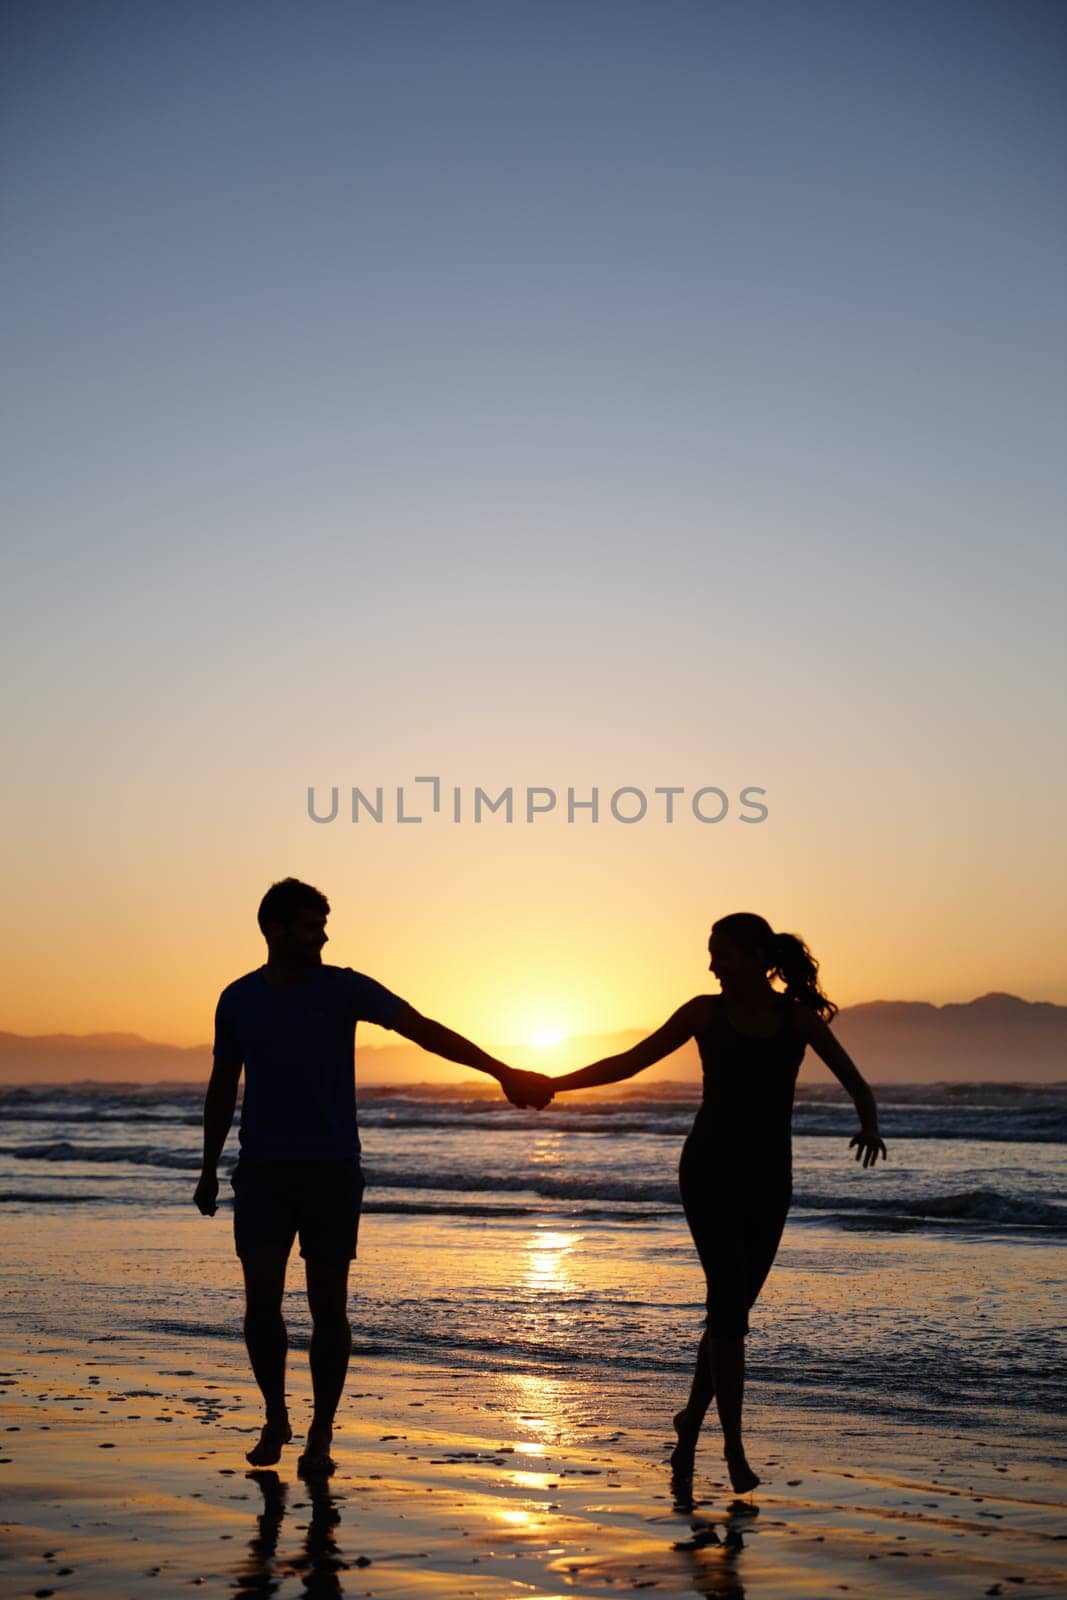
(316,1460)
(276,1433)
(684,1452)
(742,1477)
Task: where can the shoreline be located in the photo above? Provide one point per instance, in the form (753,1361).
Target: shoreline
(124,1474)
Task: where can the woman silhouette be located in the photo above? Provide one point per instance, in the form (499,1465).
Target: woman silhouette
(735,1172)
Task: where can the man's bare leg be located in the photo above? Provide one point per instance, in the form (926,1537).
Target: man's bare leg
(331,1346)
(267,1342)
(688,1421)
(728,1375)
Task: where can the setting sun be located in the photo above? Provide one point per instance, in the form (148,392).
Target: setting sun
(545,1038)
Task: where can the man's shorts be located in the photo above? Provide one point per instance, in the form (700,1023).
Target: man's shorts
(274,1201)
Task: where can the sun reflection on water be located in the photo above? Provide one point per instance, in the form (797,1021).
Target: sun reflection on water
(541,1414)
(547,1268)
(547,1151)
(532,1480)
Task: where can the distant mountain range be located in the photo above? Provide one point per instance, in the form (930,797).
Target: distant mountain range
(996,1038)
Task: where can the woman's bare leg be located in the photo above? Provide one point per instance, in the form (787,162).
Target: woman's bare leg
(728,1376)
(688,1421)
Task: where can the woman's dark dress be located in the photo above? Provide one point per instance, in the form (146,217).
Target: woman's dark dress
(736,1172)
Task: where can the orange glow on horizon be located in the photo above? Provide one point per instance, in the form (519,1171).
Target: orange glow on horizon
(511,947)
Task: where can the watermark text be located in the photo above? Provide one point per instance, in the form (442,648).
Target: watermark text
(428,799)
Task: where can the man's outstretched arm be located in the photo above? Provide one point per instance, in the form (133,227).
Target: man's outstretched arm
(219,1104)
(521,1088)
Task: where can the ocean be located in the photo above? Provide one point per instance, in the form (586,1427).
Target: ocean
(554,1242)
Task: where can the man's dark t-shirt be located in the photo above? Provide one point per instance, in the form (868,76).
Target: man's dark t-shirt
(297,1044)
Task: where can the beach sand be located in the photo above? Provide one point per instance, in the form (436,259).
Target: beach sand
(123,1475)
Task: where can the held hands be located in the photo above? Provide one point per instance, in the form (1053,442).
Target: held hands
(206,1197)
(526,1089)
(868,1148)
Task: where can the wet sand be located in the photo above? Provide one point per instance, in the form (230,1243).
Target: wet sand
(123,1474)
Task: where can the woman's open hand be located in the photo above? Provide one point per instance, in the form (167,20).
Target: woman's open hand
(868,1148)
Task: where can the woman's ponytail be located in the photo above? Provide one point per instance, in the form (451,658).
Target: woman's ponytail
(794,963)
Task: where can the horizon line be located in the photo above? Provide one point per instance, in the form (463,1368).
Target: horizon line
(202,1045)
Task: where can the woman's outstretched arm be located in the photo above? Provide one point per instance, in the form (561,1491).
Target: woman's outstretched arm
(828,1049)
(613,1069)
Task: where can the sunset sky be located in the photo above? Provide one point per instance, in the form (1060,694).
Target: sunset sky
(532,394)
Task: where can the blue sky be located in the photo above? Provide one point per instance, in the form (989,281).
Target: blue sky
(557,387)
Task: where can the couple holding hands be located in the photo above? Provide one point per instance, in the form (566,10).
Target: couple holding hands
(290,1026)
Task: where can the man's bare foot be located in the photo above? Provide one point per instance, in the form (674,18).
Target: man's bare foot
(316,1461)
(742,1477)
(684,1453)
(276,1432)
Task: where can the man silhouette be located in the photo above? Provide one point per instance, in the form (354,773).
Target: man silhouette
(291,1026)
